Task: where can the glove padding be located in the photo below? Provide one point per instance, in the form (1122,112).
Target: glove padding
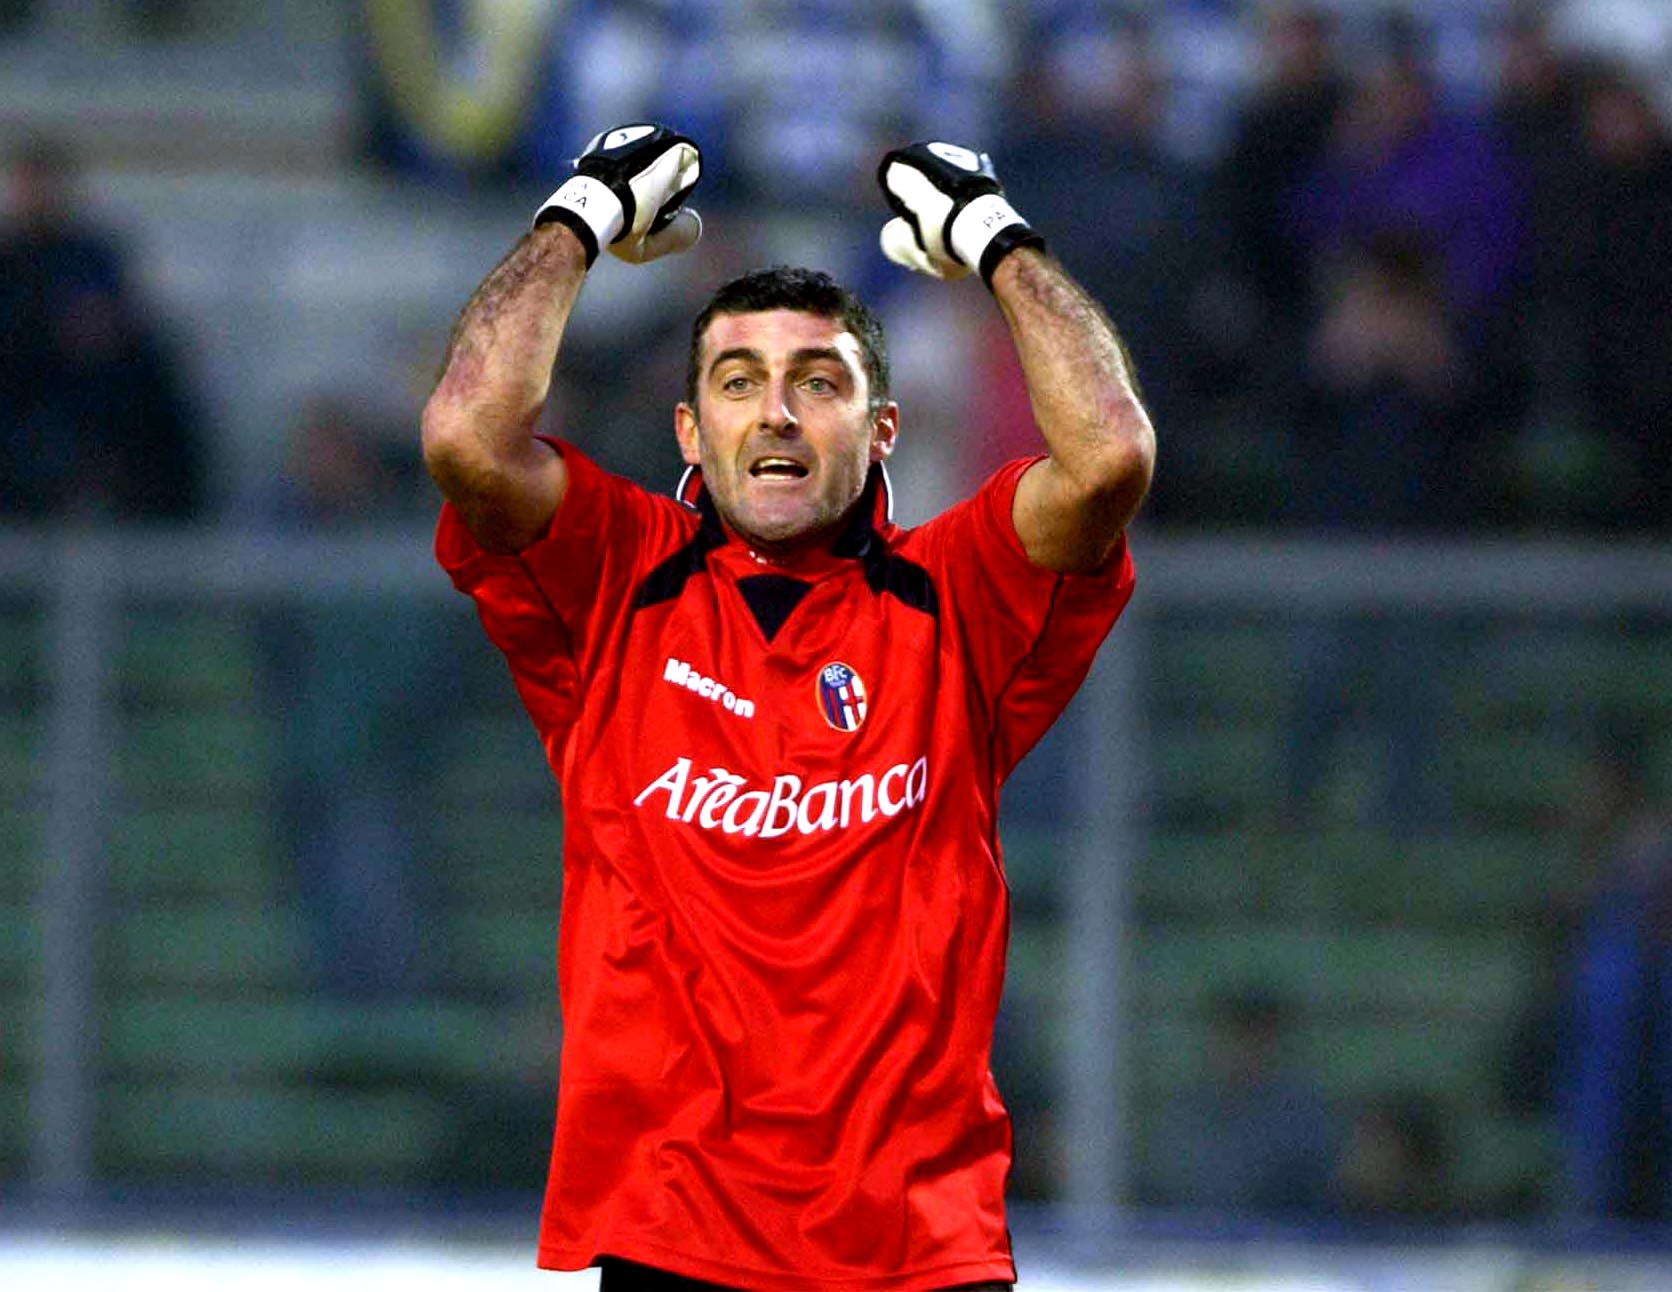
(628,193)
(950,214)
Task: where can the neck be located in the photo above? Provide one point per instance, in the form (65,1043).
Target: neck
(796,549)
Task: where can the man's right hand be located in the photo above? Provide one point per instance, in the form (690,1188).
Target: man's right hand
(628,193)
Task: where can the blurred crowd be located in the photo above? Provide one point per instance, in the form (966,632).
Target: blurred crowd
(1382,268)
(1255,1137)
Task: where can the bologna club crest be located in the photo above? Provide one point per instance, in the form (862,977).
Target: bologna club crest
(841,697)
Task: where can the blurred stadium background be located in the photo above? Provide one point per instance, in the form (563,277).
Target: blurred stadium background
(1341,894)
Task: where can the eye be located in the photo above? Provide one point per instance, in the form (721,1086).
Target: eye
(736,384)
(820,385)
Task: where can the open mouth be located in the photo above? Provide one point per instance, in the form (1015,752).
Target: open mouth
(778,469)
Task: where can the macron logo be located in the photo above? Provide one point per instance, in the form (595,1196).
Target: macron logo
(682,674)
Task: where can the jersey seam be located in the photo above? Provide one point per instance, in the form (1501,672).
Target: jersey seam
(551,608)
(998,696)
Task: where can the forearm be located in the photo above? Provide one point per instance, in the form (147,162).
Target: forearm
(1080,378)
(1084,392)
(497,374)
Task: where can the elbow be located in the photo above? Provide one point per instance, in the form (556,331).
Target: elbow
(438,436)
(452,450)
(441,430)
(1115,478)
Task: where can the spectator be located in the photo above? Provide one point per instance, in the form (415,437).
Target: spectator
(1535,107)
(811,127)
(349,678)
(1399,164)
(1131,229)
(1614,281)
(1535,95)
(1384,445)
(94,417)
(1396,1165)
(1614,1087)
(1279,139)
(499,1128)
(1385,441)
(1253,1138)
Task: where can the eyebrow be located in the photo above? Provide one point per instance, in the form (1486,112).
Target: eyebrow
(806,355)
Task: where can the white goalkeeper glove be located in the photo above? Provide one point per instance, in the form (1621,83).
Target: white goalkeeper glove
(628,193)
(950,214)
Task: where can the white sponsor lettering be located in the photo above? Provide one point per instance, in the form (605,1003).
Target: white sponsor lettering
(780,808)
(867,787)
(673,781)
(682,674)
(736,822)
(886,801)
(722,800)
(807,819)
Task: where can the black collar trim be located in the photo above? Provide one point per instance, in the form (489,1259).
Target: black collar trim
(860,539)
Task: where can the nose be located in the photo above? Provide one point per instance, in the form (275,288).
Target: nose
(777,415)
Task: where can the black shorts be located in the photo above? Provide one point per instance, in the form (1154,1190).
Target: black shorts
(616,1275)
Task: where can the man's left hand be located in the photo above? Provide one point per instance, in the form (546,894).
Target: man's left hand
(950,213)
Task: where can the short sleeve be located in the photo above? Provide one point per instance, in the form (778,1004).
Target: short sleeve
(1029,634)
(550,606)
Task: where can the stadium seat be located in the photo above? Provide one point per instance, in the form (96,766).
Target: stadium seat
(1035,860)
(494,951)
(22,740)
(494,857)
(1503,1163)
(15,1125)
(286,1135)
(1228,672)
(206,756)
(187,657)
(219,854)
(1508,778)
(1232,874)
(20,852)
(158,1037)
(1336,971)
(20,940)
(1215,774)
(493,758)
(203,946)
(1530,676)
(1360,1061)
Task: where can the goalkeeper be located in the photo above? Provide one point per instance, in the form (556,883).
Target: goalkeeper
(779,723)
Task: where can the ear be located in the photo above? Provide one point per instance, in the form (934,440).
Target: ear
(685,431)
(885,427)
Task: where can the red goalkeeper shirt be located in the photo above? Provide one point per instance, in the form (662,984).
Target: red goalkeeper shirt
(784,915)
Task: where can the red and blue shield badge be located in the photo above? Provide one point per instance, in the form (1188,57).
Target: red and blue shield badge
(841,697)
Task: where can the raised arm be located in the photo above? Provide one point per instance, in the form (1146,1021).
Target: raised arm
(951,217)
(627,194)
(479,422)
(1072,508)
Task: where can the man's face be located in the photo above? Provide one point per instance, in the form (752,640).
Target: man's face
(783,429)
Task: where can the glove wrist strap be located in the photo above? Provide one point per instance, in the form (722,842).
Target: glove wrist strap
(588,207)
(987,230)
(1004,242)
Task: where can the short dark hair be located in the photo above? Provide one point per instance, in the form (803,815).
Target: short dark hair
(784,287)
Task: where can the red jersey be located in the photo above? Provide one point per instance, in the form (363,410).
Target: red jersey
(784,919)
